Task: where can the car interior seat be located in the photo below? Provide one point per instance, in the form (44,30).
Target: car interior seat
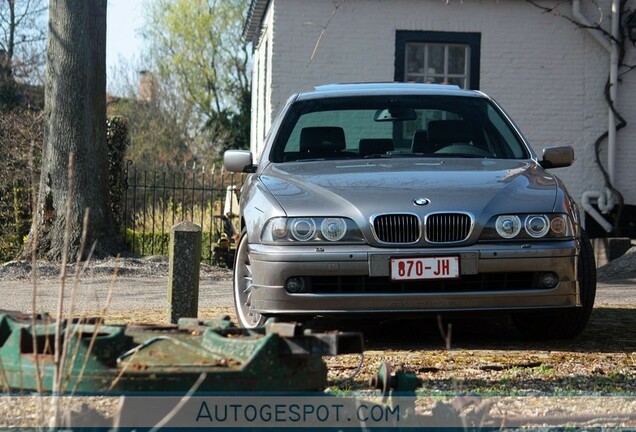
(420,144)
(321,141)
(441,133)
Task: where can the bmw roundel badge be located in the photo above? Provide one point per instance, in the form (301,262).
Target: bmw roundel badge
(421,202)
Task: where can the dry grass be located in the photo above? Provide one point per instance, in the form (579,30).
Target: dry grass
(486,356)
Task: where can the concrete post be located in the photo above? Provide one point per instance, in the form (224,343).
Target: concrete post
(183,282)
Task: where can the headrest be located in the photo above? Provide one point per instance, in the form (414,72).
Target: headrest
(449,131)
(369,146)
(322,139)
(419,142)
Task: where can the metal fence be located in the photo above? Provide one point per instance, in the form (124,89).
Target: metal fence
(155,200)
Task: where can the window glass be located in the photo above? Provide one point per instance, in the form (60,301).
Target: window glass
(435,60)
(504,132)
(396,126)
(356,124)
(457,60)
(415,59)
(438,63)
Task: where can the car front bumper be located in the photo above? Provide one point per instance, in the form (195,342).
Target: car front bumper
(272,266)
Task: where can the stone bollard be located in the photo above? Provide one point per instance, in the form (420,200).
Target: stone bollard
(185,260)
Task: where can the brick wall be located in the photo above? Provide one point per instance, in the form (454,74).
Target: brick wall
(548,74)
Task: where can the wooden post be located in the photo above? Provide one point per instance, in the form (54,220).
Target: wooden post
(185,260)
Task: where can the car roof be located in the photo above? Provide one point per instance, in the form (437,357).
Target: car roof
(393,88)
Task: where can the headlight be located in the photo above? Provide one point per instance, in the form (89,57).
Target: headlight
(533,227)
(537,226)
(311,229)
(333,229)
(279,228)
(558,225)
(303,229)
(508,226)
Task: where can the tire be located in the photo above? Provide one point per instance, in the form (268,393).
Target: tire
(564,323)
(242,286)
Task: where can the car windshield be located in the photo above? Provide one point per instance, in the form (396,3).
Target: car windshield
(395,126)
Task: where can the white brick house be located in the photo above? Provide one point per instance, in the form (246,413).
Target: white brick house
(547,72)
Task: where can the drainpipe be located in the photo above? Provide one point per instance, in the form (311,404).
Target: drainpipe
(604,201)
(601,201)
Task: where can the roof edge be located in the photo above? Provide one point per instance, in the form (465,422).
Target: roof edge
(253,22)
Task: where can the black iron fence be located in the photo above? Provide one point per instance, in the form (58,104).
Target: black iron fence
(154,201)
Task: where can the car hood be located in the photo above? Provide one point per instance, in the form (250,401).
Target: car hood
(359,189)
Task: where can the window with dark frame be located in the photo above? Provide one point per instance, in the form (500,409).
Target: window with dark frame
(438,57)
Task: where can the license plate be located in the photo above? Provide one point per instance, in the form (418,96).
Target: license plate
(425,268)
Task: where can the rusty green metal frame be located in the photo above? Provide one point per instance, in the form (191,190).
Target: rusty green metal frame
(122,359)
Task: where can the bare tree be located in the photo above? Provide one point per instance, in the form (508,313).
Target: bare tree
(75,113)
(22,37)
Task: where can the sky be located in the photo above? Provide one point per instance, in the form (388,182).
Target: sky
(124,19)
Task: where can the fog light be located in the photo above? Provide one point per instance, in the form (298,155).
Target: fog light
(548,279)
(295,285)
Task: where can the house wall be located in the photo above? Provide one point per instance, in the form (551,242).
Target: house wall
(262,95)
(548,74)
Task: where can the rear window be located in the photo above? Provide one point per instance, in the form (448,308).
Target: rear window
(396,126)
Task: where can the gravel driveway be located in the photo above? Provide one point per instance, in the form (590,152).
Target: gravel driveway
(142,284)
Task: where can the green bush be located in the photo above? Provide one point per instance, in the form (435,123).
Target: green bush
(15,218)
(21,136)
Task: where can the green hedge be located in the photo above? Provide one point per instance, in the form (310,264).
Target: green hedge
(142,243)
(15,219)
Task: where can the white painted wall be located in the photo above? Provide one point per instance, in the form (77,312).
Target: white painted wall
(548,74)
(262,84)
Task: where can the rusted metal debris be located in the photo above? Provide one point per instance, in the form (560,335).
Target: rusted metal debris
(119,359)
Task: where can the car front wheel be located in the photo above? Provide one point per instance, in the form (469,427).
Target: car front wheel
(564,323)
(243,288)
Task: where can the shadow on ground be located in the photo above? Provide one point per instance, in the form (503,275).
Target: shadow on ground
(610,330)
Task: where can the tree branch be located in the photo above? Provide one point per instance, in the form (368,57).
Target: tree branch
(336,6)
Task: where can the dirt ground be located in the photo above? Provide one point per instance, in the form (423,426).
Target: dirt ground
(451,355)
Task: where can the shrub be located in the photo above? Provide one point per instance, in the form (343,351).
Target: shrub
(21,137)
(158,243)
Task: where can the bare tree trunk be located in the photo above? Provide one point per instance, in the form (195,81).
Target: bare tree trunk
(75,111)
(7,83)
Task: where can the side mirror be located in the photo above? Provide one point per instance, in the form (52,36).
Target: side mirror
(238,161)
(557,157)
